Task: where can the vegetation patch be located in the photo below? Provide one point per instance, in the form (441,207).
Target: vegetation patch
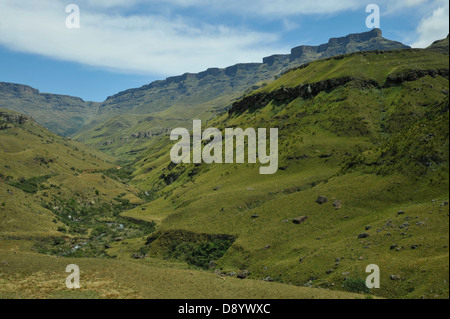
(198,250)
(31,185)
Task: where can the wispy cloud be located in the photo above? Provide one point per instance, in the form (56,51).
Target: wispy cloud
(154,37)
(135,43)
(434,26)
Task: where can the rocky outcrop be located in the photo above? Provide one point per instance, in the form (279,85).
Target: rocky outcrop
(310,90)
(286,95)
(15,118)
(149,134)
(413,75)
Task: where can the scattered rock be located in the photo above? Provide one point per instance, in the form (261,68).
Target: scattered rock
(400,213)
(117,239)
(268,279)
(267,247)
(414,247)
(300,220)
(337,205)
(217,187)
(254,216)
(212,265)
(363,235)
(243,274)
(250,189)
(396,277)
(322,200)
(393,247)
(4,262)
(329,272)
(368,227)
(405,225)
(345,274)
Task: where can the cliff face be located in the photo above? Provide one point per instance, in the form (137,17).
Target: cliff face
(243,76)
(14,118)
(174,101)
(60,113)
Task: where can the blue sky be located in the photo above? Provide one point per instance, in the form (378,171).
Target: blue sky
(124,44)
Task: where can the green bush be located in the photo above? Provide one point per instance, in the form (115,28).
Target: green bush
(200,254)
(357,285)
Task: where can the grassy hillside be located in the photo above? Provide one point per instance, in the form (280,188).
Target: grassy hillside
(363,179)
(59,198)
(370,132)
(52,188)
(32,276)
(440,46)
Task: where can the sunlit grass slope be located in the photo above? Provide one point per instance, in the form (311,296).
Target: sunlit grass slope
(377,143)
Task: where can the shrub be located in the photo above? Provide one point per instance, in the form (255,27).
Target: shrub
(357,285)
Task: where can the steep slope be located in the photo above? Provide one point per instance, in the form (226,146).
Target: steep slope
(52,187)
(61,114)
(126,121)
(440,46)
(61,198)
(370,132)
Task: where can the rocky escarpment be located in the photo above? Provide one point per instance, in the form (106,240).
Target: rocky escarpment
(414,75)
(60,113)
(310,90)
(9,119)
(14,118)
(149,134)
(286,95)
(242,76)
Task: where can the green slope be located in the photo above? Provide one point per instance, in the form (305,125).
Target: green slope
(376,141)
(56,195)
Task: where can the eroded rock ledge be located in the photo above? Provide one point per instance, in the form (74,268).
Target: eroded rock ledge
(310,90)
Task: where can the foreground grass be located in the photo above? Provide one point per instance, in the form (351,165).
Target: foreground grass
(33,276)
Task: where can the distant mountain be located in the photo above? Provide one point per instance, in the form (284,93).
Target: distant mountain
(209,84)
(176,100)
(125,121)
(59,113)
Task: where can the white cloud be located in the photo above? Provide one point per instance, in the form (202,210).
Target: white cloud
(138,44)
(157,41)
(433,27)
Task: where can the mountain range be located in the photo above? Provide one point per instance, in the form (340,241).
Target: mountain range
(161,105)
(363,179)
